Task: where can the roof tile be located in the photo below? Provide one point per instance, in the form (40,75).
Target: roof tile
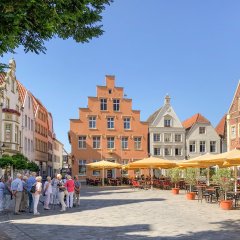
(197,118)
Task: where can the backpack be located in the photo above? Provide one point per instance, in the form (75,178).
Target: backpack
(33,189)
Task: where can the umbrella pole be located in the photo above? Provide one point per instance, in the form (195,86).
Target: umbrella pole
(235,175)
(103,177)
(151,178)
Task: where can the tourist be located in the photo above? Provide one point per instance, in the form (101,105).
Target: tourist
(70,189)
(36,195)
(54,195)
(61,189)
(7,194)
(2,187)
(24,205)
(77,186)
(30,182)
(17,188)
(47,192)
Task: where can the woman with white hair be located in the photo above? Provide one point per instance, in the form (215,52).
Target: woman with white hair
(47,192)
(7,194)
(37,194)
(70,188)
(61,189)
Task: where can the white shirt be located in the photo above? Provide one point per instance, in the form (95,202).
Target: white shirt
(49,190)
(38,188)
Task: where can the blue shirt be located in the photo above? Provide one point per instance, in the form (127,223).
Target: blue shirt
(17,185)
(30,182)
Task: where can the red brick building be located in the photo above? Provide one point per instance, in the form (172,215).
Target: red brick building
(107,129)
(233,121)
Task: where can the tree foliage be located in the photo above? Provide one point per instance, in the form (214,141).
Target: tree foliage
(20,162)
(6,161)
(31,22)
(33,167)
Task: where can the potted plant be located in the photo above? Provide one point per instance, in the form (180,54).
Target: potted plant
(191,180)
(175,175)
(224,178)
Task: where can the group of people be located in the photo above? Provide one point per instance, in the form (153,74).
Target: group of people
(26,190)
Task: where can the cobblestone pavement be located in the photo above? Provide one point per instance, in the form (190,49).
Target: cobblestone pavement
(123,213)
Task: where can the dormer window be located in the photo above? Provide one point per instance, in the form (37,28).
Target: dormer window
(167,122)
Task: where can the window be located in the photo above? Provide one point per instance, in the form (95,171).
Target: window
(110,142)
(16,134)
(92,122)
(96,142)
(103,104)
(82,167)
(167,151)
(192,146)
(13,85)
(202,130)
(126,123)
(156,137)
(212,146)
(32,146)
(7,103)
(25,121)
(8,132)
(29,146)
(167,137)
(167,122)
(29,123)
(178,137)
(25,144)
(124,142)
(178,151)
(137,143)
(157,151)
(96,172)
(32,125)
(110,122)
(82,142)
(233,131)
(116,105)
(202,147)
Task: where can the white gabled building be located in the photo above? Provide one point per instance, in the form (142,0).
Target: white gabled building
(166,133)
(10,113)
(201,137)
(27,122)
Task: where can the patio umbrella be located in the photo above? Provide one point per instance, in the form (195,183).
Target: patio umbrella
(151,163)
(103,165)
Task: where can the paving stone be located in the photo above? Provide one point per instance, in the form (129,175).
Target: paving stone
(123,213)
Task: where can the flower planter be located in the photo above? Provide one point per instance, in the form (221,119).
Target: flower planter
(175,190)
(226,204)
(191,196)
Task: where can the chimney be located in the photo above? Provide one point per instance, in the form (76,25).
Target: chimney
(110,81)
(167,99)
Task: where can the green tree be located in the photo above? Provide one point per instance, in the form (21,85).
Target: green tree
(20,162)
(29,23)
(6,161)
(33,167)
(175,175)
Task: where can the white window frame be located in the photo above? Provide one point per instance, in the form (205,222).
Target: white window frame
(176,137)
(124,143)
(156,137)
(157,151)
(127,123)
(233,133)
(82,142)
(215,146)
(191,143)
(82,163)
(96,171)
(180,149)
(103,104)
(116,105)
(170,138)
(96,142)
(200,144)
(137,143)
(170,151)
(92,122)
(201,128)
(110,142)
(110,123)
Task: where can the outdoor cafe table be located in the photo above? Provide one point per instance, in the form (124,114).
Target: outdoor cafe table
(211,192)
(235,196)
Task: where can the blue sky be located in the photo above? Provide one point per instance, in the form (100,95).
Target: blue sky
(189,49)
